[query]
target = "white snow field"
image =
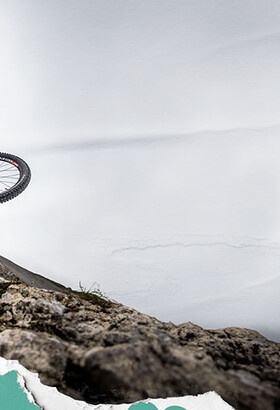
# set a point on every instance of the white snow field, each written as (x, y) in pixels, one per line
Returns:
(183, 229)
(152, 131)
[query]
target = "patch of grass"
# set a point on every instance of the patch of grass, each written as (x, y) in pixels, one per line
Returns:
(94, 295)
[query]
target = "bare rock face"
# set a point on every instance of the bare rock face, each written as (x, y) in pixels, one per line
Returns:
(103, 352)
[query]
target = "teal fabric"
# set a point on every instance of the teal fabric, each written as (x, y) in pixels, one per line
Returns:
(143, 406)
(12, 396)
(149, 406)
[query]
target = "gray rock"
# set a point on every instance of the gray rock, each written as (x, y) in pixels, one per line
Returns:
(103, 352)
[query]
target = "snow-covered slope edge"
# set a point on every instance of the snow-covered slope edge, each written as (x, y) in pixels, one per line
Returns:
(48, 398)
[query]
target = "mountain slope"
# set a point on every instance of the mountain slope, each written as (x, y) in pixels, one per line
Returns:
(103, 352)
(9, 271)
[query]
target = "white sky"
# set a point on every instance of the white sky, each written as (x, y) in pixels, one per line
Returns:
(84, 69)
(112, 103)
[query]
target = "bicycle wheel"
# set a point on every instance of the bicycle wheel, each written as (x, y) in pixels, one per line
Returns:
(14, 176)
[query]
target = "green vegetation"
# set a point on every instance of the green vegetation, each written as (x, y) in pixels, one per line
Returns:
(94, 296)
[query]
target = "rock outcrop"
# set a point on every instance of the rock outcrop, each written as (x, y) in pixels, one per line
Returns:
(103, 352)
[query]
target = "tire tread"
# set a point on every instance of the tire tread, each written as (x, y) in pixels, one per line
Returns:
(23, 182)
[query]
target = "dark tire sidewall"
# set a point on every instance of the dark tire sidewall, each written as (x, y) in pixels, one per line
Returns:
(24, 179)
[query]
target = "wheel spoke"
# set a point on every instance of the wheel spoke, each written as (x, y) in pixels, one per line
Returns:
(9, 176)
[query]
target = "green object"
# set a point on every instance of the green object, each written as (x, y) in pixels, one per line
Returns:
(143, 406)
(149, 406)
(12, 396)
(175, 408)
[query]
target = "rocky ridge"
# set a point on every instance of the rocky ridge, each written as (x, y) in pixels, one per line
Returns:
(103, 352)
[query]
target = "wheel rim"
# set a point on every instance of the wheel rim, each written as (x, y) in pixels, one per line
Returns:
(9, 175)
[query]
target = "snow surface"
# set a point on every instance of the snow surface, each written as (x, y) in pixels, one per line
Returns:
(152, 130)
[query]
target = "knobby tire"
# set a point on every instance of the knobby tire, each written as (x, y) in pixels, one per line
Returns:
(21, 183)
